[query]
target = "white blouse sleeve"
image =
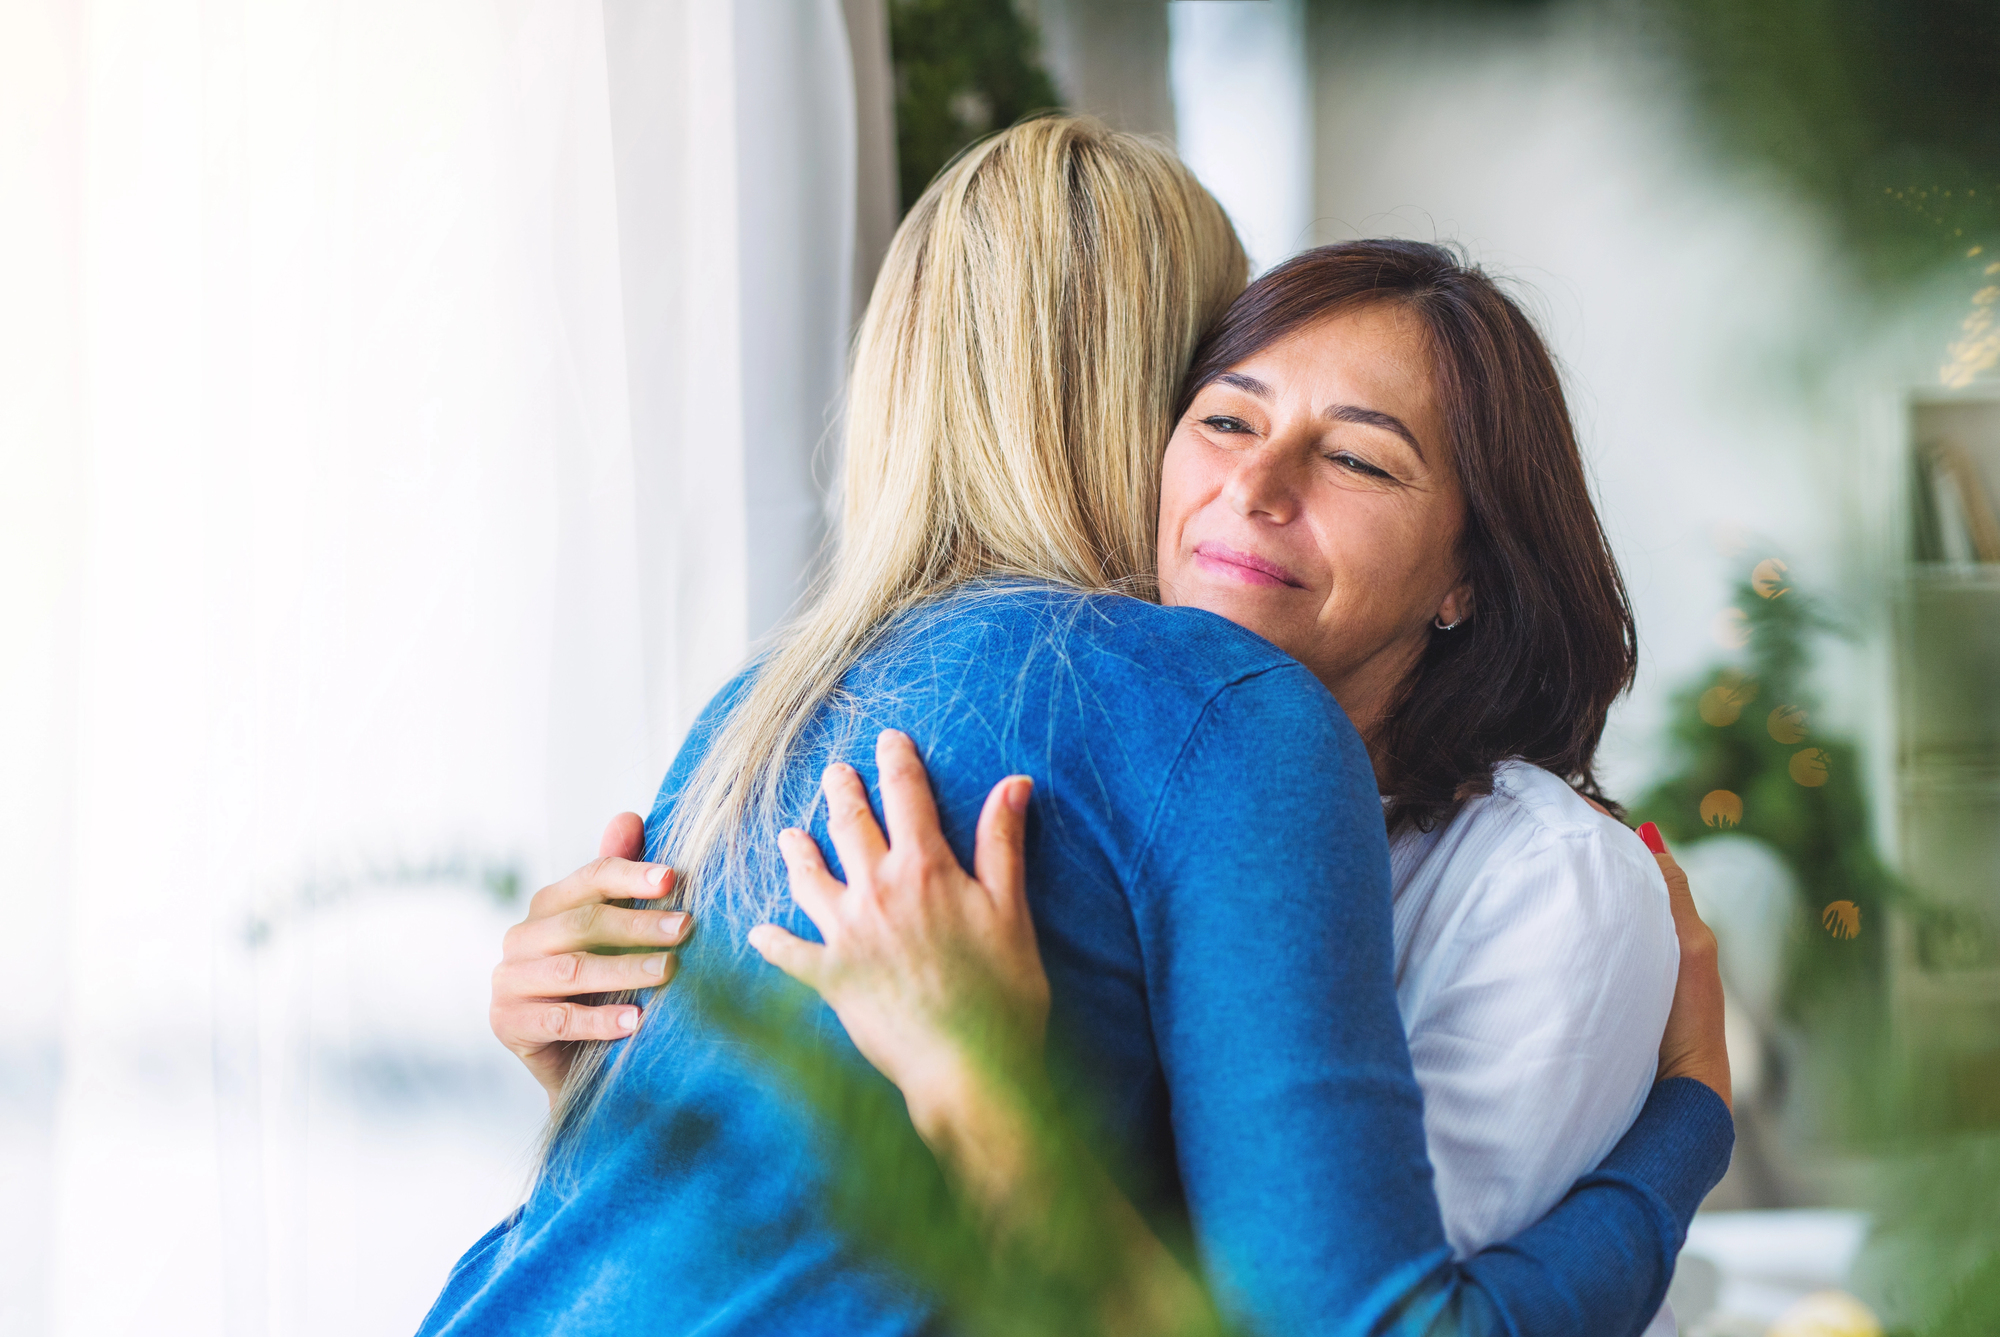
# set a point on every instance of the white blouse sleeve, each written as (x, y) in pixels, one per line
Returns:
(1535, 1024)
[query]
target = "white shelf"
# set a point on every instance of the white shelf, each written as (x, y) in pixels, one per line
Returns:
(1979, 576)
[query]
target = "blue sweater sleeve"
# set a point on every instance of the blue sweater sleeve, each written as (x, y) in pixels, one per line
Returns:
(1262, 902)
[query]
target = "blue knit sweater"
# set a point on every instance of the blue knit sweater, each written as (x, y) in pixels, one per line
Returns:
(1210, 882)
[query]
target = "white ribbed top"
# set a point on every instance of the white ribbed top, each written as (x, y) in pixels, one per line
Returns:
(1535, 963)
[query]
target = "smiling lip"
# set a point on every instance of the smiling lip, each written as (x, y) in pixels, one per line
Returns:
(1242, 566)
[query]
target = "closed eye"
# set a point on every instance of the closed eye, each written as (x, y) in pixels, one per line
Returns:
(1222, 422)
(1355, 464)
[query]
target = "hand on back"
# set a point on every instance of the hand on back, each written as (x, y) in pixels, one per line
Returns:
(934, 972)
(575, 942)
(1693, 1044)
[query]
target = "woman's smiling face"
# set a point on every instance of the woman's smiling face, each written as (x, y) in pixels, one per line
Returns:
(1308, 495)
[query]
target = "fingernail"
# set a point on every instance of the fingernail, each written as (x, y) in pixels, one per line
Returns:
(655, 875)
(1651, 835)
(892, 736)
(628, 1019)
(656, 965)
(672, 924)
(1018, 792)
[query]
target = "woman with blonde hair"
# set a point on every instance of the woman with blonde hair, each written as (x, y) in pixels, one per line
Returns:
(1216, 928)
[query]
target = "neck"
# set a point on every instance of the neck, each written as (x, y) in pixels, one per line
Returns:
(1369, 693)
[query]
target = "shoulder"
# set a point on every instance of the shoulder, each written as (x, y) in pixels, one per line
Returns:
(1126, 660)
(1542, 814)
(1177, 647)
(700, 737)
(1532, 856)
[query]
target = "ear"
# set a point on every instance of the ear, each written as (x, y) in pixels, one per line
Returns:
(1457, 605)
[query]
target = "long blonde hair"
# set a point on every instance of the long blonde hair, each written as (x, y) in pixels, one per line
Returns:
(1011, 392)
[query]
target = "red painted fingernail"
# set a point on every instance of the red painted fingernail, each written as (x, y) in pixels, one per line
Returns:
(1651, 835)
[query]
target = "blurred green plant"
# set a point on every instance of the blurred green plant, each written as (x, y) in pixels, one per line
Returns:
(1741, 729)
(1884, 115)
(498, 876)
(1070, 1274)
(964, 68)
(1936, 1237)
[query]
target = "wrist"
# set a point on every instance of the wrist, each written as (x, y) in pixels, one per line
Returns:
(944, 1098)
(960, 1105)
(1714, 1078)
(1700, 1065)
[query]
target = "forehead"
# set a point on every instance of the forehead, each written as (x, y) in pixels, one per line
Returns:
(1377, 356)
(1382, 344)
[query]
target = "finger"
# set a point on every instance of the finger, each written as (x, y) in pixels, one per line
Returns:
(571, 973)
(851, 823)
(590, 928)
(624, 837)
(608, 878)
(907, 804)
(1677, 881)
(814, 888)
(528, 1025)
(800, 959)
(997, 858)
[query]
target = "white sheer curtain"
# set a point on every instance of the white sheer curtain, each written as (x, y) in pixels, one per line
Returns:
(1243, 98)
(409, 415)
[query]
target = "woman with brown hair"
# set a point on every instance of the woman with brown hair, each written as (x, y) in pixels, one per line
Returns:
(1374, 469)
(1207, 864)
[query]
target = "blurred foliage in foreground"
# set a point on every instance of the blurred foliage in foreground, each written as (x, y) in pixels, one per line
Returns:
(1883, 114)
(1070, 1275)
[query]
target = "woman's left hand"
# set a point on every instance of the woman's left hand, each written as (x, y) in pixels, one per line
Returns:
(934, 973)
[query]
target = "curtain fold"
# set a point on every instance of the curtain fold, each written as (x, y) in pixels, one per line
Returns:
(410, 418)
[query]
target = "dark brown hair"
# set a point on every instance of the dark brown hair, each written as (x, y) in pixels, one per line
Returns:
(1549, 645)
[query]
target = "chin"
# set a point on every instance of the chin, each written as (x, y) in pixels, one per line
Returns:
(1247, 606)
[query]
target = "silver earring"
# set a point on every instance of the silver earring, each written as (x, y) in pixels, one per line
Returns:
(1442, 625)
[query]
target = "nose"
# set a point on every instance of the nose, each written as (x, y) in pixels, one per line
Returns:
(1261, 486)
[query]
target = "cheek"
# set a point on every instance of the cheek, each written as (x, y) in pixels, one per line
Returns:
(1364, 534)
(1182, 486)
(1380, 554)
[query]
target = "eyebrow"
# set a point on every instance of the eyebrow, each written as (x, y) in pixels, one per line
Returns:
(1349, 413)
(1361, 417)
(1248, 384)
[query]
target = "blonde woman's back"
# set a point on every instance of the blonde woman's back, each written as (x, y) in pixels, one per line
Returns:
(1012, 391)
(1168, 831)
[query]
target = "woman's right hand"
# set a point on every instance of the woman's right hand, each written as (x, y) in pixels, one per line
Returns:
(933, 971)
(562, 950)
(1693, 1045)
